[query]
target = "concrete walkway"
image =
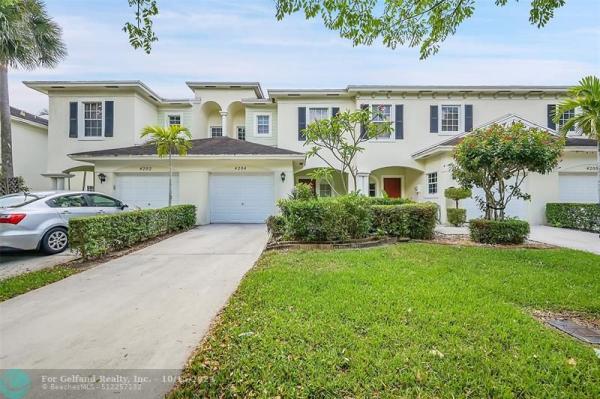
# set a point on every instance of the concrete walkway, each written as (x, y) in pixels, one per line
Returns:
(145, 310)
(567, 238)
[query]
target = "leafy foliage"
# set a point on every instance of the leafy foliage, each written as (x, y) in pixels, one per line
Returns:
(409, 220)
(585, 100)
(276, 226)
(336, 141)
(457, 193)
(99, 235)
(574, 216)
(456, 216)
(509, 231)
(302, 192)
(389, 201)
(498, 159)
(326, 219)
(141, 34)
(10, 185)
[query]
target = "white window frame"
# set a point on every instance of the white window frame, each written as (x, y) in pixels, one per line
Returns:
(81, 118)
(169, 114)
(210, 130)
(256, 134)
(559, 124)
(237, 133)
(461, 119)
(392, 120)
(308, 108)
(428, 183)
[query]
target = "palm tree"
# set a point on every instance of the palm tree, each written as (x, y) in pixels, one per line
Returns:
(167, 140)
(29, 39)
(584, 99)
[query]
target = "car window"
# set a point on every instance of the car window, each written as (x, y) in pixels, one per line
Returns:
(102, 200)
(68, 201)
(14, 200)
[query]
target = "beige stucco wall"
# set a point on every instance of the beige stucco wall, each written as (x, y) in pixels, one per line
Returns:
(30, 153)
(194, 176)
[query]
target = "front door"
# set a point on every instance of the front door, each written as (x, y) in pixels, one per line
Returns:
(393, 186)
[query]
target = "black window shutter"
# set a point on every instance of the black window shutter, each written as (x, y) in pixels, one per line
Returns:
(335, 111)
(551, 112)
(109, 116)
(301, 123)
(468, 117)
(433, 118)
(399, 122)
(363, 130)
(73, 119)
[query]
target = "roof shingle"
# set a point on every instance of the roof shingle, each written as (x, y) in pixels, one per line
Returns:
(19, 113)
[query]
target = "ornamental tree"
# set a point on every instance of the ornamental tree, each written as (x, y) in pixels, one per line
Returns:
(338, 140)
(498, 159)
(457, 193)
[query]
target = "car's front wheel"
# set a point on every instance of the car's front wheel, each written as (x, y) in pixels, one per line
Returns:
(55, 241)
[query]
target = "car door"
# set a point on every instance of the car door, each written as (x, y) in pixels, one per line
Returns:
(70, 206)
(103, 204)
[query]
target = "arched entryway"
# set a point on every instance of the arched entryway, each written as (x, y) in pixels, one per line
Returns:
(322, 186)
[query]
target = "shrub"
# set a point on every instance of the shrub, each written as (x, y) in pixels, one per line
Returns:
(302, 192)
(98, 235)
(389, 201)
(456, 216)
(574, 216)
(414, 220)
(276, 226)
(326, 219)
(457, 193)
(509, 231)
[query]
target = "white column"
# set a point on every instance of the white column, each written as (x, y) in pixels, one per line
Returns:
(362, 181)
(224, 122)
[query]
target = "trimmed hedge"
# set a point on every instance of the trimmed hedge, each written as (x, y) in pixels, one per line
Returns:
(509, 231)
(413, 220)
(276, 226)
(99, 235)
(326, 219)
(574, 216)
(389, 201)
(456, 216)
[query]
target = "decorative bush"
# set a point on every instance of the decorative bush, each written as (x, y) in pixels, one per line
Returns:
(302, 192)
(414, 220)
(574, 216)
(457, 193)
(509, 231)
(98, 235)
(276, 226)
(389, 201)
(456, 216)
(326, 219)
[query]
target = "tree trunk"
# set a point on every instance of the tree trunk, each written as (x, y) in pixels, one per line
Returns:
(170, 178)
(6, 134)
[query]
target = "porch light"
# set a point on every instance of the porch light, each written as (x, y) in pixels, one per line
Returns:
(282, 176)
(101, 177)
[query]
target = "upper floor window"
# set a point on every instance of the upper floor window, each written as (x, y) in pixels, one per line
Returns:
(263, 124)
(174, 119)
(216, 131)
(317, 114)
(565, 117)
(92, 119)
(382, 113)
(241, 132)
(450, 118)
(432, 183)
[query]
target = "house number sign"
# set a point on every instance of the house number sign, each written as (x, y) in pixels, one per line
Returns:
(145, 168)
(239, 168)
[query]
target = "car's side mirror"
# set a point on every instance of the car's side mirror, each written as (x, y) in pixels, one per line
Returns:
(123, 206)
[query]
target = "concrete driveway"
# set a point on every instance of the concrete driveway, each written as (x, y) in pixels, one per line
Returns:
(145, 310)
(18, 262)
(567, 238)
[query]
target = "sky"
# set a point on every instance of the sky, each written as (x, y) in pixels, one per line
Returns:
(241, 40)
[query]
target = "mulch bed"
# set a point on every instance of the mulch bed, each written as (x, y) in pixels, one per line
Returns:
(351, 244)
(583, 319)
(465, 240)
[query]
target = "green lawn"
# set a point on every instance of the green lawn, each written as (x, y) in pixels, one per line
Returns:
(410, 320)
(25, 282)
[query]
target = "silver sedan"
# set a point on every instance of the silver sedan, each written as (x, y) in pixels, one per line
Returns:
(39, 220)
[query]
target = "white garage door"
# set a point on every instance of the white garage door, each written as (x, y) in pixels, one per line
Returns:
(146, 190)
(240, 199)
(516, 207)
(578, 187)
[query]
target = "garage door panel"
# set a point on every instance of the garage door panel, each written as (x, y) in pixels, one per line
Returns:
(241, 198)
(578, 187)
(146, 191)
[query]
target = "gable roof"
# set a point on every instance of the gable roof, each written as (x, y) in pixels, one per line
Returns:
(448, 144)
(216, 146)
(28, 117)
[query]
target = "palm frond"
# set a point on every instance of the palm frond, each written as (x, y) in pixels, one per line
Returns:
(584, 99)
